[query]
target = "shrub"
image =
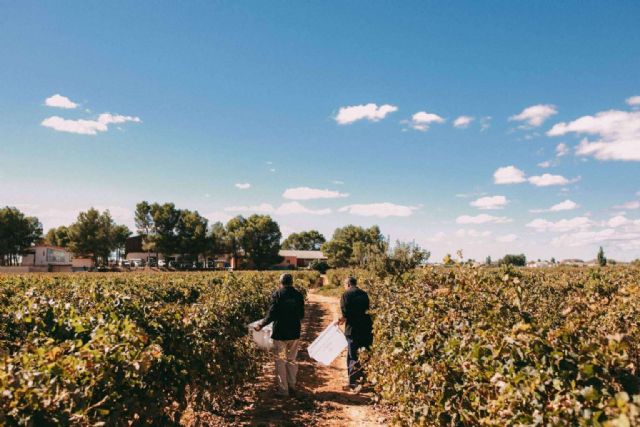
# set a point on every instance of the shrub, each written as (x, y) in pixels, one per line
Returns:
(500, 347)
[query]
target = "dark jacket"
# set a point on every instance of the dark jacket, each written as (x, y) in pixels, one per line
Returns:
(354, 305)
(286, 312)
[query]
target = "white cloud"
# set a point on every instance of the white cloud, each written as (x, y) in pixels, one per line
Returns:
(60, 101)
(243, 185)
(508, 175)
(371, 112)
(337, 182)
(306, 193)
(87, 127)
(438, 237)
(626, 241)
(618, 133)
(421, 120)
(633, 101)
(618, 221)
(546, 164)
(634, 204)
(482, 219)
(463, 122)
(567, 205)
(261, 208)
(548, 179)
(289, 208)
(485, 123)
(577, 223)
(535, 115)
(218, 216)
(472, 233)
(562, 149)
(490, 202)
(381, 210)
(507, 238)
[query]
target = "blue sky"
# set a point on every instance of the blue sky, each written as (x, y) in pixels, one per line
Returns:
(186, 100)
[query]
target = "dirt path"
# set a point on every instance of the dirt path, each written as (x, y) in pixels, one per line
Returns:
(323, 403)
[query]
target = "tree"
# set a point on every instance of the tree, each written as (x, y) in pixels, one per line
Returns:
(602, 260)
(92, 235)
(17, 233)
(218, 240)
(261, 241)
(305, 241)
(488, 260)
(353, 246)
(257, 238)
(165, 222)
(144, 224)
(236, 228)
(119, 237)
(405, 257)
(517, 260)
(192, 234)
(58, 236)
(448, 260)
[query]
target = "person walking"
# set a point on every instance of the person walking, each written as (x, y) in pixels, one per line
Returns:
(286, 313)
(358, 329)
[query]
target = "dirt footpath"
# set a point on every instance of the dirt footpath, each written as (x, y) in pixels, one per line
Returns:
(323, 403)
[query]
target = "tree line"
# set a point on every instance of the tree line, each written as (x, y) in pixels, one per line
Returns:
(166, 230)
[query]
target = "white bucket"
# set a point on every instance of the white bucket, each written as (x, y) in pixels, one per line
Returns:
(262, 338)
(329, 344)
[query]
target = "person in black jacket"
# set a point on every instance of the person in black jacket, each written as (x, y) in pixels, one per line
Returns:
(358, 330)
(286, 312)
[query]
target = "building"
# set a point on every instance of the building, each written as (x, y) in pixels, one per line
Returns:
(299, 259)
(573, 262)
(44, 258)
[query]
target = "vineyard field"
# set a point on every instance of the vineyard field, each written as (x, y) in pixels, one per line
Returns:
(456, 346)
(477, 346)
(112, 349)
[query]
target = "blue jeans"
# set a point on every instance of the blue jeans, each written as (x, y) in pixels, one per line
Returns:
(356, 373)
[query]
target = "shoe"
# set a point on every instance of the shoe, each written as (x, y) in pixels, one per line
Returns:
(348, 387)
(282, 393)
(293, 392)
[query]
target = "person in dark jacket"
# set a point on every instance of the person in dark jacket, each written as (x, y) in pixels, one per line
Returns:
(286, 312)
(358, 330)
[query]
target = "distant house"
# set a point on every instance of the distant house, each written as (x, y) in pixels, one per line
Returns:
(43, 258)
(299, 259)
(539, 264)
(573, 261)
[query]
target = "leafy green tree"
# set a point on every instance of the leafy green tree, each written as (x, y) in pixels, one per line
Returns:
(218, 240)
(92, 235)
(261, 241)
(17, 233)
(304, 241)
(353, 246)
(58, 236)
(405, 257)
(235, 231)
(517, 260)
(488, 260)
(256, 239)
(448, 260)
(165, 239)
(120, 234)
(144, 225)
(602, 260)
(192, 234)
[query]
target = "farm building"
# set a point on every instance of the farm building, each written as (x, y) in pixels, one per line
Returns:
(300, 259)
(41, 258)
